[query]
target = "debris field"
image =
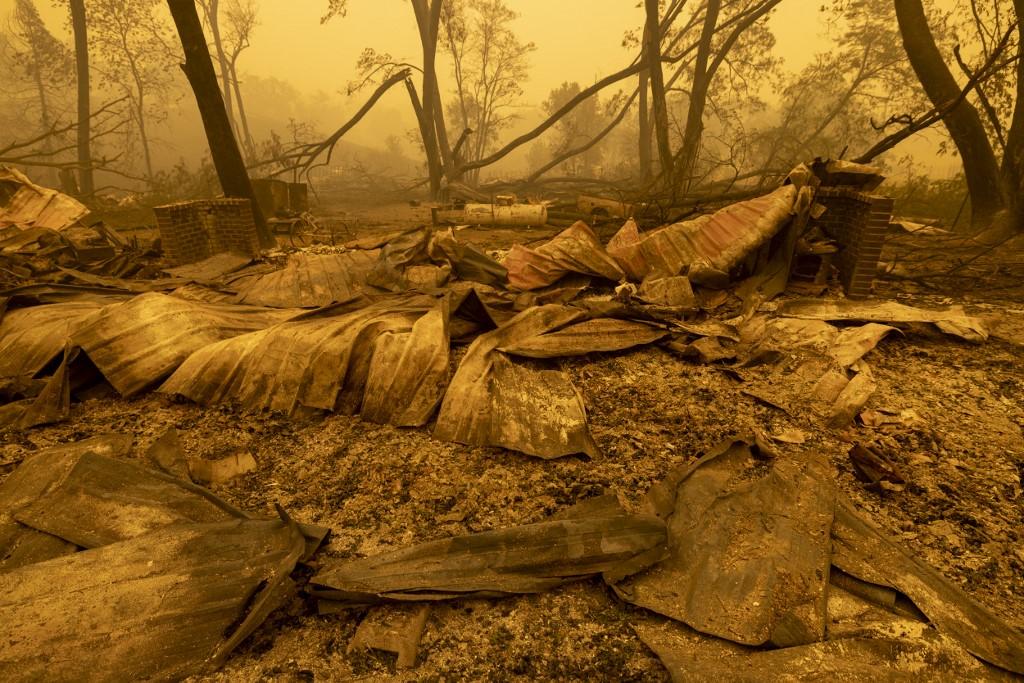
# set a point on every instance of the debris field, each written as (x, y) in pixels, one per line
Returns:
(673, 453)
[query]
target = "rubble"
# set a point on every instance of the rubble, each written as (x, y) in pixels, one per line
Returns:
(745, 561)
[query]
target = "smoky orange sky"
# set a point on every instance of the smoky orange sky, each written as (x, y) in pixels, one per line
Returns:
(576, 40)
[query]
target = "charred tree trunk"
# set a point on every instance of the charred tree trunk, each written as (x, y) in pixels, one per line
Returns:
(222, 59)
(644, 143)
(1012, 169)
(694, 130)
(428, 18)
(227, 158)
(250, 145)
(963, 122)
(78, 25)
(652, 53)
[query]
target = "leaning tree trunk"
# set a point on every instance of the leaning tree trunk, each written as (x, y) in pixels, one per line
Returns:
(1013, 157)
(963, 122)
(227, 158)
(428, 17)
(652, 53)
(644, 125)
(78, 25)
(694, 130)
(222, 59)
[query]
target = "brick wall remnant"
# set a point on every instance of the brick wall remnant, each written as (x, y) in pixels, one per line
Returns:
(195, 230)
(858, 222)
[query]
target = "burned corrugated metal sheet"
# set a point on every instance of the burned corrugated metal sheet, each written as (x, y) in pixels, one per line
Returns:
(537, 411)
(30, 338)
(523, 559)
(742, 566)
(472, 412)
(33, 206)
(162, 606)
(624, 248)
(574, 250)
(863, 551)
(951, 320)
(137, 343)
(43, 293)
(589, 336)
(212, 268)
(307, 280)
(467, 260)
(409, 372)
(917, 654)
(707, 248)
(19, 544)
(98, 501)
(315, 362)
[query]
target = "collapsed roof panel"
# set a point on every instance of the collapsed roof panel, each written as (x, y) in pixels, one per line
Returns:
(307, 280)
(29, 205)
(141, 341)
(706, 248)
(319, 360)
(163, 605)
(30, 338)
(742, 565)
(574, 250)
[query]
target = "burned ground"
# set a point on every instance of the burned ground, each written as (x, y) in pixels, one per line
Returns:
(378, 487)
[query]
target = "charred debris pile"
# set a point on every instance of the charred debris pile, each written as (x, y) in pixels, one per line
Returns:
(130, 568)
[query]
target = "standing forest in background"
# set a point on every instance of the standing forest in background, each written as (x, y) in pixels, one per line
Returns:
(704, 108)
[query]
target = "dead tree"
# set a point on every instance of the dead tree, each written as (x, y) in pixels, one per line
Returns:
(963, 122)
(85, 181)
(652, 58)
(227, 158)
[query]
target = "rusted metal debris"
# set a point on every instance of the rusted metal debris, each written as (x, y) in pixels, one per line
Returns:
(394, 628)
(582, 543)
(574, 250)
(164, 605)
(707, 248)
(771, 568)
(23, 204)
(185, 575)
(326, 361)
(743, 567)
(725, 575)
(951, 320)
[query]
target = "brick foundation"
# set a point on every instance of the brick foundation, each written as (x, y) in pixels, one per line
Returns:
(196, 230)
(858, 222)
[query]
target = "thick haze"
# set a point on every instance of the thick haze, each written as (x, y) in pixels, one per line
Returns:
(298, 68)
